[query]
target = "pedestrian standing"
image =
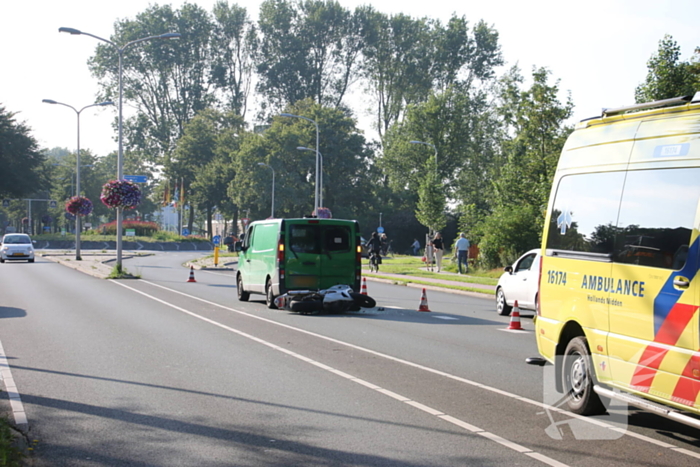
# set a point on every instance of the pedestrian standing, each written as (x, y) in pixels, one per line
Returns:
(438, 248)
(416, 246)
(462, 247)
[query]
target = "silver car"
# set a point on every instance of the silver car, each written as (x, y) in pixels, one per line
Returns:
(16, 246)
(519, 282)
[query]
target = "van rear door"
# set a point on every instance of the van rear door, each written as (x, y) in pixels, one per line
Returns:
(303, 257)
(338, 255)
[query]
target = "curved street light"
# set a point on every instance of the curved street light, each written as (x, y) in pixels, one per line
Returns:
(120, 51)
(77, 164)
(319, 175)
(318, 169)
(272, 210)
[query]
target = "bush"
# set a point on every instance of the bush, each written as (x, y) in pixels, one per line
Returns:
(508, 233)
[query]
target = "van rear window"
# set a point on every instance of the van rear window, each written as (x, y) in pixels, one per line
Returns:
(642, 217)
(310, 238)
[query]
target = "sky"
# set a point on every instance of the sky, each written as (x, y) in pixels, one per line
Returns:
(597, 49)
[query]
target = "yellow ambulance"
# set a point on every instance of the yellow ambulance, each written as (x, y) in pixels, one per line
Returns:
(619, 287)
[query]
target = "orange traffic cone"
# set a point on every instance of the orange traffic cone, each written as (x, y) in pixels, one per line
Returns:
(191, 279)
(363, 290)
(515, 318)
(423, 302)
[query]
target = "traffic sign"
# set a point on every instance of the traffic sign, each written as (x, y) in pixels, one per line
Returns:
(136, 178)
(216, 239)
(380, 229)
(5, 203)
(53, 204)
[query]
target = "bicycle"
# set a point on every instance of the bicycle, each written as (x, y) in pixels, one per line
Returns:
(374, 261)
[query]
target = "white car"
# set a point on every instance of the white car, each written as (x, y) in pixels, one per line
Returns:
(519, 282)
(16, 246)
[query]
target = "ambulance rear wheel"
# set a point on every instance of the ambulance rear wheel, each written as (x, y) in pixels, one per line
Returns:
(578, 380)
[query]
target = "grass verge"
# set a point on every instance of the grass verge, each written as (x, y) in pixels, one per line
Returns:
(10, 454)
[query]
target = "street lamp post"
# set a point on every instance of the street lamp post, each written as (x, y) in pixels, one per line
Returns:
(319, 174)
(120, 154)
(272, 210)
(317, 194)
(77, 164)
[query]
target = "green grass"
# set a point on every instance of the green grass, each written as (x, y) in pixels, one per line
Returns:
(10, 454)
(413, 266)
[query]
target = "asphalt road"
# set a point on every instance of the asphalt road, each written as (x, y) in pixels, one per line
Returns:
(164, 372)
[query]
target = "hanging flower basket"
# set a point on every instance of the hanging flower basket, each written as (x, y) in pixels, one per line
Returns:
(120, 193)
(79, 206)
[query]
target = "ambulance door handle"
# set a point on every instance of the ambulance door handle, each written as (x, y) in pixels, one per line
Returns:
(681, 282)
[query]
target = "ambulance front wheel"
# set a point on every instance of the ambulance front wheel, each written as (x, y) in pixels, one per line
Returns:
(577, 379)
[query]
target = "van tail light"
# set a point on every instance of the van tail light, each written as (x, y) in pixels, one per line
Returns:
(358, 259)
(539, 282)
(280, 257)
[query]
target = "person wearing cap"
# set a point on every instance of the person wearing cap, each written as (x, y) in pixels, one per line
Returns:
(462, 247)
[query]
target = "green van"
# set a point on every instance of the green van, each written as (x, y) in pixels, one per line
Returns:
(282, 255)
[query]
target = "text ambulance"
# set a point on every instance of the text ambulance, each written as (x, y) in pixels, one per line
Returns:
(619, 286)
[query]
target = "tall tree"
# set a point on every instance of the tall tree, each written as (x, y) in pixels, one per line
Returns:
(537, 119)
(20, 158)
(667, 75)
(345, 161)
(309, 49)
(397, 63)
(430, 210)
(196, 149)
(234, 45)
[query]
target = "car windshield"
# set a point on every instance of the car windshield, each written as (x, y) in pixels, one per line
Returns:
(16, 239)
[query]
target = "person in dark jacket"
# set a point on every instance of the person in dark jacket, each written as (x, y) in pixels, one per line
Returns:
(438, 246)
(374, 244)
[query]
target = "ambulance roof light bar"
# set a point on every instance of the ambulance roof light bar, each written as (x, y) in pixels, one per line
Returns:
(652, 105)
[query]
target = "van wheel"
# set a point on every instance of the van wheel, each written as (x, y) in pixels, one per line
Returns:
(577, 379)
(269, 297)
(502, 308)
(365, 301)
(243, 296)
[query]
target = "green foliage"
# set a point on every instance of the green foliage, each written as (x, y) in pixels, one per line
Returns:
(507, 233)
(20, 159)
(10, 454)
(430, 210)
(667, 75)
(345, 161)
(309, 50)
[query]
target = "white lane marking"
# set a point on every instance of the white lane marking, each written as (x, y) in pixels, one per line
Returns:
(445, 317)
(18, 412)
(538, 404)
(516, 331)
(426, 409)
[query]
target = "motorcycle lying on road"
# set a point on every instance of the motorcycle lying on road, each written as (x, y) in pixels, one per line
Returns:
(337, 299)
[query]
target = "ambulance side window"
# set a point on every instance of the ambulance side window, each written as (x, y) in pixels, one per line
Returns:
(656, 217)
(585, 211)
